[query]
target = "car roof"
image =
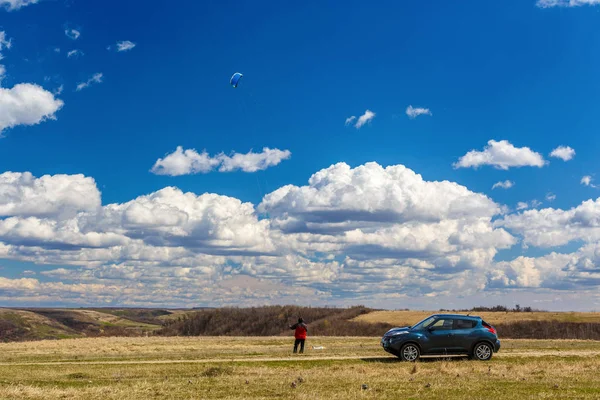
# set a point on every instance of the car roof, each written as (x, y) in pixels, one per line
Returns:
(462, 316)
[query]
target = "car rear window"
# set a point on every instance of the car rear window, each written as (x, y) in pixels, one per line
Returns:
(464, 324)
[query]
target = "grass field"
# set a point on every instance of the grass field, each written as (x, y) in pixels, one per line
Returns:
(42, 323)
(263, 368)
(403, 318)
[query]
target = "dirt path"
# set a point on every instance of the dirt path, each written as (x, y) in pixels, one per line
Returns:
(382, 358)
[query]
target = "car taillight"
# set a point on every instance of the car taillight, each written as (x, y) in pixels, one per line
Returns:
(490, 328)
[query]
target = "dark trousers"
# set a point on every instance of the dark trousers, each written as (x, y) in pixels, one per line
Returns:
(301, 343)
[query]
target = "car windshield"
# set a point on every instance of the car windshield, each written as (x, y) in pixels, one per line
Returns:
(424, 324)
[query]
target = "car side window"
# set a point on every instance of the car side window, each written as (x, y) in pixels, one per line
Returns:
(464, 324)
(442, 324)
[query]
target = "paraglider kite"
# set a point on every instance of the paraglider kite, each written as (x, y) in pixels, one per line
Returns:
(235, 79)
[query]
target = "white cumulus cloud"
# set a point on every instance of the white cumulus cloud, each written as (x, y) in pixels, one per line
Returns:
(503, 185)
(501, 155)
(24, 195)
(349, 120)
(413, 112)
(252, 162)
(565, 153)
(185, 162)
(365, 233)
(26, 104)
(551, 227)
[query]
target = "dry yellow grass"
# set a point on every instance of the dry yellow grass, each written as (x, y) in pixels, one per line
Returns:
(403, 318)
(560, 370)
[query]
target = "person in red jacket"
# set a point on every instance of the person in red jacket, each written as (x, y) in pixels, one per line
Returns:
(300, 334)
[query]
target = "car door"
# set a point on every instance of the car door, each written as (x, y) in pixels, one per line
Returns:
(438, 335)
(462, 334)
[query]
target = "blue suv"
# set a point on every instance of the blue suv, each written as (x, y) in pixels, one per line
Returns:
(443, 334)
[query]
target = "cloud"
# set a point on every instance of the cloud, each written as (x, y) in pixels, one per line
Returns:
(26, 104)
(587, 181)
(359, 232)
(364, 119)
(373, 193)
(12, 5)
(72, 34)
(96, 78)
(389, 218)
(502, 155)
(550, 196)
(252, 162)
(530, 272)
(551, 227)
(503, 185)
(523, 205)
(566, 3)
(367, 233)
(74, 53)
(59, 90)
(5, 43)
(125, 45)
(23, 195)
(57, 49)
(186, 162)
(349, 120)
(565, 153)
(415, 112)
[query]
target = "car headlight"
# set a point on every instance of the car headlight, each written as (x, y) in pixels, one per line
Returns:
(399, 333)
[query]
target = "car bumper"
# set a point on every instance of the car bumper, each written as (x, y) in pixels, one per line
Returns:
(497, 346)
(385, 343)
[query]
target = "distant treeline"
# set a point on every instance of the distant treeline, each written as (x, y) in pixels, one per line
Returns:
(272, 321)
(549, 330)
(516, 308)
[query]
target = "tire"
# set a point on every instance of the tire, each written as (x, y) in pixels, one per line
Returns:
(482, 351)
(410, 352)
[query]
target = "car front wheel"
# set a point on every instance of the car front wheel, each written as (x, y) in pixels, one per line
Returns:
(409, 352)
(482, 352)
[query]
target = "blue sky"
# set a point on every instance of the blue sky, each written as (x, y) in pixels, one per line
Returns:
(515, 71)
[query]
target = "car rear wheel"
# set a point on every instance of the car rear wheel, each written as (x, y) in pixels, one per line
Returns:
(410, 352)
(482, 352)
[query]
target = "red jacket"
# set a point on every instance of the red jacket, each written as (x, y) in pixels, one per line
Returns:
(300, 330)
